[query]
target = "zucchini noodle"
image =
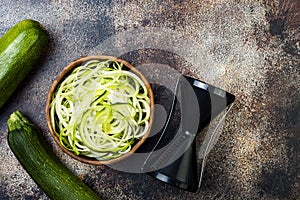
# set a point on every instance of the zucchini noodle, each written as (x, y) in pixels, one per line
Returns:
(100, 110)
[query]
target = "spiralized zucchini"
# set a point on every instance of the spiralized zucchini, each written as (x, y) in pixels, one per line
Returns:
(99, 110)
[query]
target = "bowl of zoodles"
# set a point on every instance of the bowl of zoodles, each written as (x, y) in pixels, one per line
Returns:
(100, 109)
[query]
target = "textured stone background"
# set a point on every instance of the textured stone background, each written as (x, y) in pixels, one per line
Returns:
(250, 48)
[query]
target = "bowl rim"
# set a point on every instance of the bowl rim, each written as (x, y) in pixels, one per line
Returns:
(65, 72)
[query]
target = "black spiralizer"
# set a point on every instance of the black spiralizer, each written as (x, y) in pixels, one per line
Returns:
(174, 157)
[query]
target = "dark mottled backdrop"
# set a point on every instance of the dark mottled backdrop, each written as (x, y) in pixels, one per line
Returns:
(250, 48)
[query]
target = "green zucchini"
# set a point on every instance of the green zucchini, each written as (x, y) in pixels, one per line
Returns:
(35, 155)
(20, 48)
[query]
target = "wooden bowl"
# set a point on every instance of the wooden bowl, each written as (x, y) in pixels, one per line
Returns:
(65, 73)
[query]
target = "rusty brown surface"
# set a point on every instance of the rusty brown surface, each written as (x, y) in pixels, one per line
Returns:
(249, 48)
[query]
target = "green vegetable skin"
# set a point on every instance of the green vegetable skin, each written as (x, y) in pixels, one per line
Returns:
(50, 174)
(20, 48)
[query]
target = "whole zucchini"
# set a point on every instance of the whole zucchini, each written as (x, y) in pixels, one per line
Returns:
(37, 158)
(20, 48)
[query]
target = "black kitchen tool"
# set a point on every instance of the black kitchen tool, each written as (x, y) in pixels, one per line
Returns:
(173, 159)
